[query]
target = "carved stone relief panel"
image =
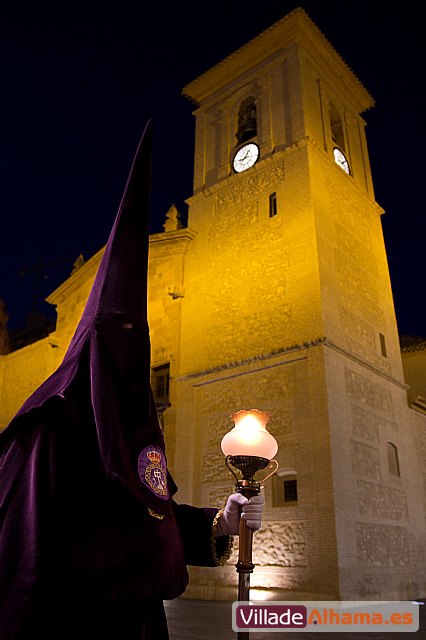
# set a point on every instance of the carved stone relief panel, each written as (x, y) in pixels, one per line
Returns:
(383, 545)
(248, 187)
(368, 393)
(367, 425)
(236, 204)
(381, 502)
(370, 586)
(364, 424)
(215, 426)
(213, 466)
(282, 544)
(421, 439)
(365, 460)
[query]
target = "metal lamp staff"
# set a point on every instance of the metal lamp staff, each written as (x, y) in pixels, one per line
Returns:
(248, 447)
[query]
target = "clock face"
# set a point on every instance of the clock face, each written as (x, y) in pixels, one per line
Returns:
(245, 157)
(340, 159)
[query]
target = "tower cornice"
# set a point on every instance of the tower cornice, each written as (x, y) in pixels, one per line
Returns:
(295, 28)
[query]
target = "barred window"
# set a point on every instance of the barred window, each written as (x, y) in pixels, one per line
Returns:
(284, 488)
(290, 490)
(160, 377)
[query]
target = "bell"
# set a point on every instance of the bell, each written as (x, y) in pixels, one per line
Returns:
(247, 130)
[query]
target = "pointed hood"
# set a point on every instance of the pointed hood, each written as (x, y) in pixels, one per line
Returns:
(104, 378)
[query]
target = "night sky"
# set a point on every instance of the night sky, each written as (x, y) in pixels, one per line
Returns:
(79, 82)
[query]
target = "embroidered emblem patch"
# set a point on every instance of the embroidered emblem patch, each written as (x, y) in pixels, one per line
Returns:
(152, 471)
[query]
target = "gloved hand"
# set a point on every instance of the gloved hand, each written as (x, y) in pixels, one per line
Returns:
(237, 506)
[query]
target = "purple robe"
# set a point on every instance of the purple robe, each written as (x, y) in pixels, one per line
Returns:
(80, 557)
(83, 471)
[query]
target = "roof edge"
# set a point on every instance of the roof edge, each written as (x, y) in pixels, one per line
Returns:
(227, 69)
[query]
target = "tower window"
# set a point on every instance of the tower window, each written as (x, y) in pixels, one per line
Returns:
(336, 126)
(393, 462)
(160, 377)
(273, 210)
(290, 490)
(338, 137)
(383, 345)
(284, 486)
(247, 120)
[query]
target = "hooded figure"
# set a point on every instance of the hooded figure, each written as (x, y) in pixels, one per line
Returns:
(91, 540)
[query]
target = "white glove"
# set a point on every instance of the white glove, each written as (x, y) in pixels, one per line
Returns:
(237, 506)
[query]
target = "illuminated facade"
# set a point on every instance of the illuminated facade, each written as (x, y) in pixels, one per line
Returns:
(277, 296)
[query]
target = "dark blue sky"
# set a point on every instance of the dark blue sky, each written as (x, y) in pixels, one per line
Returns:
(78, 84)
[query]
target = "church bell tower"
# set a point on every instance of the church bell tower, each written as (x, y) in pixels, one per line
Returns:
(288, 308)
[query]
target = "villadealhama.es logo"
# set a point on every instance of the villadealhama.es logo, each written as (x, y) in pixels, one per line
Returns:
(331, 616)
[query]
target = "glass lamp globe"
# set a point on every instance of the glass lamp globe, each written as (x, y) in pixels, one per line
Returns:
(249, 436)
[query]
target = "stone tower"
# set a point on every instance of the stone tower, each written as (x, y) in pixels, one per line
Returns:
(288, 308)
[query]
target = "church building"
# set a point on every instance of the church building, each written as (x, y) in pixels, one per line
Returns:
(277, 296)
